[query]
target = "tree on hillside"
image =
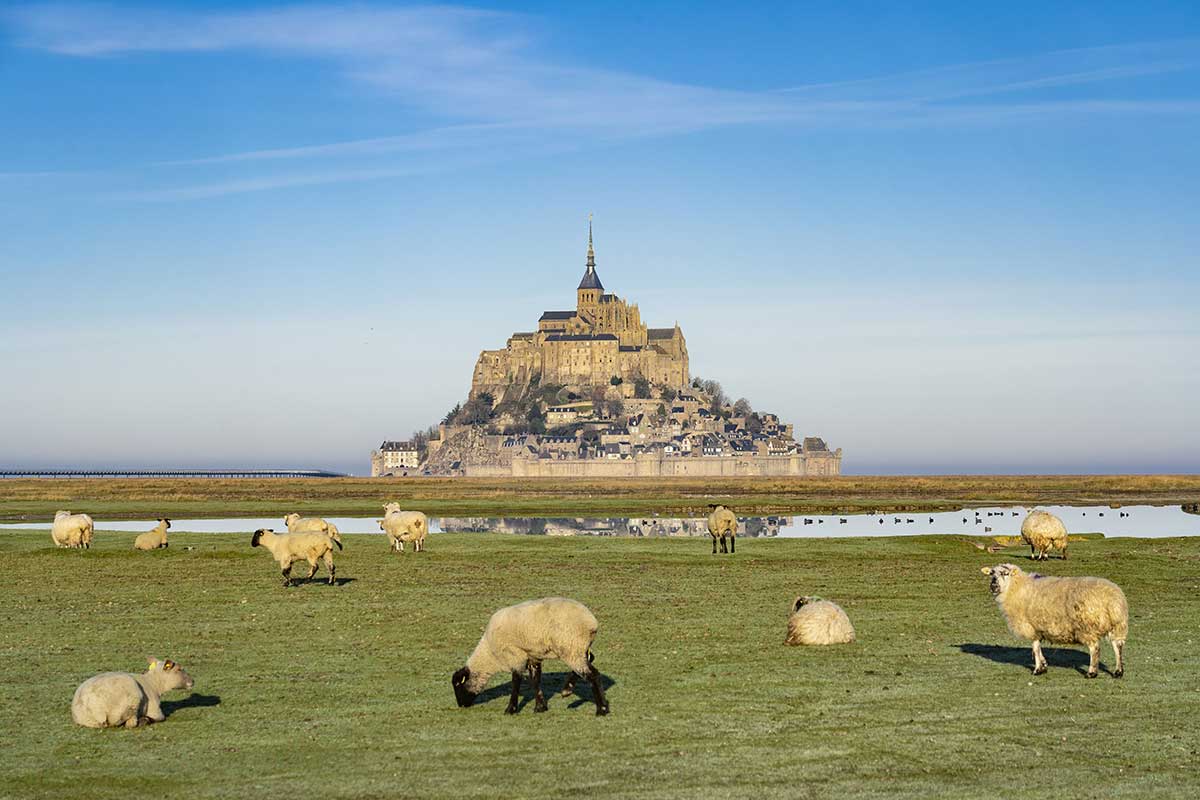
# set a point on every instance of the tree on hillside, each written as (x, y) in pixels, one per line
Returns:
(452, 415)
(660, 414)
(668, 394)
(716, 393)
(742, 408)
(536, 419)
(616, 380)
(754, 423)
(641, 388)
(615, 408)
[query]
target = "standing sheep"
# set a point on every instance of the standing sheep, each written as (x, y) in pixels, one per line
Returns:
(154, 538)
(814, 621)
(404, 526)
(72, 530)
(112, 699)
(722, 523)
(1043, 531)
(520, 637)
(291, 547)
(297, 524)
(1062, 611)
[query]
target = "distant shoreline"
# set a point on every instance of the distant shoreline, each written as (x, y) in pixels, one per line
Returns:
(129, 498)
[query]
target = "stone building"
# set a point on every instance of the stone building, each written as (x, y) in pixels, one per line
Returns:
(394, 458)
(603, 338)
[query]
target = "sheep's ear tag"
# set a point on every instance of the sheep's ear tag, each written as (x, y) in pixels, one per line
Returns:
(986, 570)
(153, 665)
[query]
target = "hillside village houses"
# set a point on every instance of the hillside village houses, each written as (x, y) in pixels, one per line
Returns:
(594, 392)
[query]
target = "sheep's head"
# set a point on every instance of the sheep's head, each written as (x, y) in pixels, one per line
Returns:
(58, 514)
(390, 507)
(169, 674)
(290, 518)
(460, 680)
(1002, 575)
(381, 525)
(801, 602)
(166, 522)
(254, 540)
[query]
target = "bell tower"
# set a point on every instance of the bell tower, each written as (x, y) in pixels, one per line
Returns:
(590, 288)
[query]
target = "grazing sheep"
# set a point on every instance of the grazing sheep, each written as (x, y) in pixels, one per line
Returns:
(297, 524)
(722, 523)
(1062, 611)
(112, 699)
(404, 526)
(520, 637)
(72, 530)
(1043, 531)
(291, 547)
(154, 538)
(817, 622)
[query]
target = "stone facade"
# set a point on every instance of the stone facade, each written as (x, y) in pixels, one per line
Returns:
(393, 458)
(602, 339)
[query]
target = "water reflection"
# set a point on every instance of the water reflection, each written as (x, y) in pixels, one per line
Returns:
(603, 526)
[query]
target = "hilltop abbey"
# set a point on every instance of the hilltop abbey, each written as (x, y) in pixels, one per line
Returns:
(602, 339)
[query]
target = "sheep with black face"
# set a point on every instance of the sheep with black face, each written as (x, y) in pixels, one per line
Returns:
(518, 638)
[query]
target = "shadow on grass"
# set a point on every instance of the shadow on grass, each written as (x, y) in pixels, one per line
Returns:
(296, 582)
(169, 707)
(1023, 656)
(552, 684)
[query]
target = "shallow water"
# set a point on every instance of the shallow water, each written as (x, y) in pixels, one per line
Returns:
(1135, 521)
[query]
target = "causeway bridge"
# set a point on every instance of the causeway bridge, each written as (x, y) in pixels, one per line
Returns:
(170, 473)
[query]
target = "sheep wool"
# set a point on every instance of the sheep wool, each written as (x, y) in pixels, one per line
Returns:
(1063, 611)
(297, 524)
(72, 530)
(1043, 531)
(722, 523)
(814, 621)
(115, 699)
(520, 638)
(154, 538)
(287, 548)
(404, 526)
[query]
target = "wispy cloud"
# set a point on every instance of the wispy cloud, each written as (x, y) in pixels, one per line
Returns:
(481, 71)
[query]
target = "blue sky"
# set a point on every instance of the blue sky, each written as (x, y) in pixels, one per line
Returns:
(944, 236)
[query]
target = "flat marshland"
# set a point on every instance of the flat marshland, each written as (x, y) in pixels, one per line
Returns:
(343, 691)
(181, 498)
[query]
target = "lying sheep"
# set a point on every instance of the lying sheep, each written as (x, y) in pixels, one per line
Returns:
(154, 538)
(291, 547)
(297, 524)
(112, 699)
(72, 530)
(404, 526)
(722, 523)
(1062, 611)
(815, 621)
(520, 637)
(1043, 531)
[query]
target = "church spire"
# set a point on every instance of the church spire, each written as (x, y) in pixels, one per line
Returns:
(591, 259)
(591, 281)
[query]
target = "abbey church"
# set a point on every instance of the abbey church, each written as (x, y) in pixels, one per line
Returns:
(602, 339)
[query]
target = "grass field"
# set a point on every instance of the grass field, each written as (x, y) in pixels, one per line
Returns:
(343, 691)
(180, 498)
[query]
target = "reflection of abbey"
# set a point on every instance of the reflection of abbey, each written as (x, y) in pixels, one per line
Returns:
(604, 337)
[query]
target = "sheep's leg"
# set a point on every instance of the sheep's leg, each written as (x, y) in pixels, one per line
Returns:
(286, 570)
(714, 545)
(1093, 659)
(516, 694)
(732, 544)
(539, 700)
(1118, 646)
(597, 691)
(312, 568)
(329, 565)
(724, 546)
(1039, 660)
(1064, 552)
(569, 687)
(1033, 554)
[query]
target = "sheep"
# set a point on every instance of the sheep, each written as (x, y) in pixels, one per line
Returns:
(297, 524)
(154, 538)
(722, 523)
(114, 699)
(404, 526)
(1043, 531)
(1063, 611)
(72, 530)
(815, 621)
(520, 637)
(291, 547)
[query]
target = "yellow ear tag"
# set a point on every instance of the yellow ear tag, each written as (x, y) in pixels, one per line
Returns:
(153, 665)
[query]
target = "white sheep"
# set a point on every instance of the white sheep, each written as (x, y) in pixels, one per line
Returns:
(72, 530)
(722, 523)
(814, 621)
(520, 637)
(113, 699)
(297, 524)
(153, 538)
(404, 526)
(288, 548)
(1062, 611)
(1043, 531)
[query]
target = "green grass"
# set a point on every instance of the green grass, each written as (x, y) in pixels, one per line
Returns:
(343, 691)
(110, 498)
